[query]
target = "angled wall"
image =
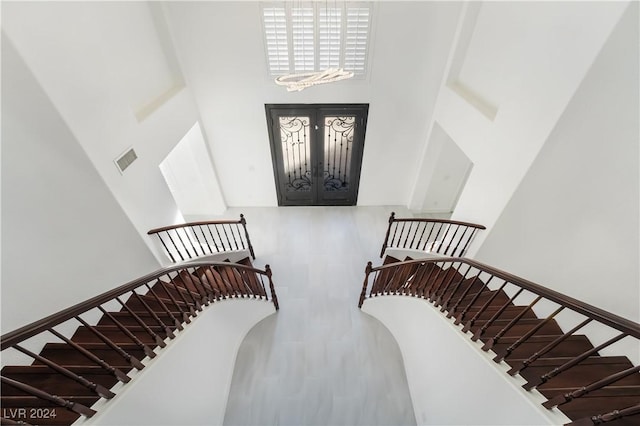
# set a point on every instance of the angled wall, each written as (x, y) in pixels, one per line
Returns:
(573, 222)
(65, 238)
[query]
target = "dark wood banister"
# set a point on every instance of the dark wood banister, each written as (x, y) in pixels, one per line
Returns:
(11, 338)
(622, 324)
(191, 225)
(393, 219)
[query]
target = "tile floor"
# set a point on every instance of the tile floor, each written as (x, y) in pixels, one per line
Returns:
(319, 360)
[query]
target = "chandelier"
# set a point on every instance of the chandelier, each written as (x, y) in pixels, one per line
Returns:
(300, 81)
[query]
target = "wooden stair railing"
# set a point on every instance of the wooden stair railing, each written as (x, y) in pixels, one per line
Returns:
(446, 237)
(97, 342)
(191, 240)
(497, 308)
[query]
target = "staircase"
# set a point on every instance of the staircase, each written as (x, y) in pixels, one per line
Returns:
(582, 379)
(134, 321)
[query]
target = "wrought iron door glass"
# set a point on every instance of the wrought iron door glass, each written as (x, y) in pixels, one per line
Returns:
(296, 153)
(338, 141)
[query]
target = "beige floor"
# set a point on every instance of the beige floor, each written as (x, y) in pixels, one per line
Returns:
(320, 360)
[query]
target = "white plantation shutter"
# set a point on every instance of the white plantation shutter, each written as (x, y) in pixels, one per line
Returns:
(276, 39)
(357, 39)
(329, 37)
(314, 36)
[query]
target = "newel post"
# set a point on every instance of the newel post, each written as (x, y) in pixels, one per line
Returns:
(243, 221)
(386, 237)
(367, 272)
(274, 298)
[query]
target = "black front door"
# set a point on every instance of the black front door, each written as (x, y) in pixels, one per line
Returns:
(317, 152)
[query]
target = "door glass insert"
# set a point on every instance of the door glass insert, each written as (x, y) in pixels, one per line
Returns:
(338, 147)
(296, 152)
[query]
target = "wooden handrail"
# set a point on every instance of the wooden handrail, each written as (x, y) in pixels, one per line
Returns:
(431, 233)
(502, 321)
(13, 337)
(622, 324)
(203, 238)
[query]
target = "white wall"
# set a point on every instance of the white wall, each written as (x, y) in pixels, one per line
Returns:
(189, 379)
(450, 169)
(524, 61)
(221, 48)
(190, 177)
(64, 236)
(449, 375)
(106, 69)
(573, 223)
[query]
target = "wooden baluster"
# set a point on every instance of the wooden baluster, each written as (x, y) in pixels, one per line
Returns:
(414, 235)
(159, 341)
(87, 354)
(418, 279)
(239, 236)
(177, 324)
(437, 281)
(428, 282)
(492, 341)
(274, 298)
(456, 283)
(570, 396)
(224, 230)
(155, 316)
(205, 239)
(551, 374)
(445, 303)
(547, 348)
(264, 289)
(166, 248)
(363, 293)
(453, 253)
(432, 227)
(220, 236)
(195, 234)
(174, 245)
(233, 235)
(444, 238)
(130, 358)
(147, 350)
(453, 237)
(495, 316)
(182, 242)
(203, 279)
(213, 239)
(395, 230)
(406, 239)
(440, 293)
(506, 352)
(185, 316)
(484, 307)
(93, 387)
(184, 290)
(186, 276)
(464, 249)
(464, 294)
(424, 228)
(73, 406)
(608, 417)
(436, 237)
(246, 234)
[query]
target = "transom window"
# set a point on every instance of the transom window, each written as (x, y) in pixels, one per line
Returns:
(315, 36)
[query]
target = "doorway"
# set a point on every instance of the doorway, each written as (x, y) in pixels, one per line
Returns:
(317, 152)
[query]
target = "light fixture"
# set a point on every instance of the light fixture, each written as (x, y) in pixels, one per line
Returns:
(300, 81)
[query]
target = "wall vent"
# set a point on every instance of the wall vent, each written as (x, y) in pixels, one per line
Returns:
(126, 159)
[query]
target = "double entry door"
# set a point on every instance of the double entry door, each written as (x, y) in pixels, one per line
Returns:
(317, 152)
